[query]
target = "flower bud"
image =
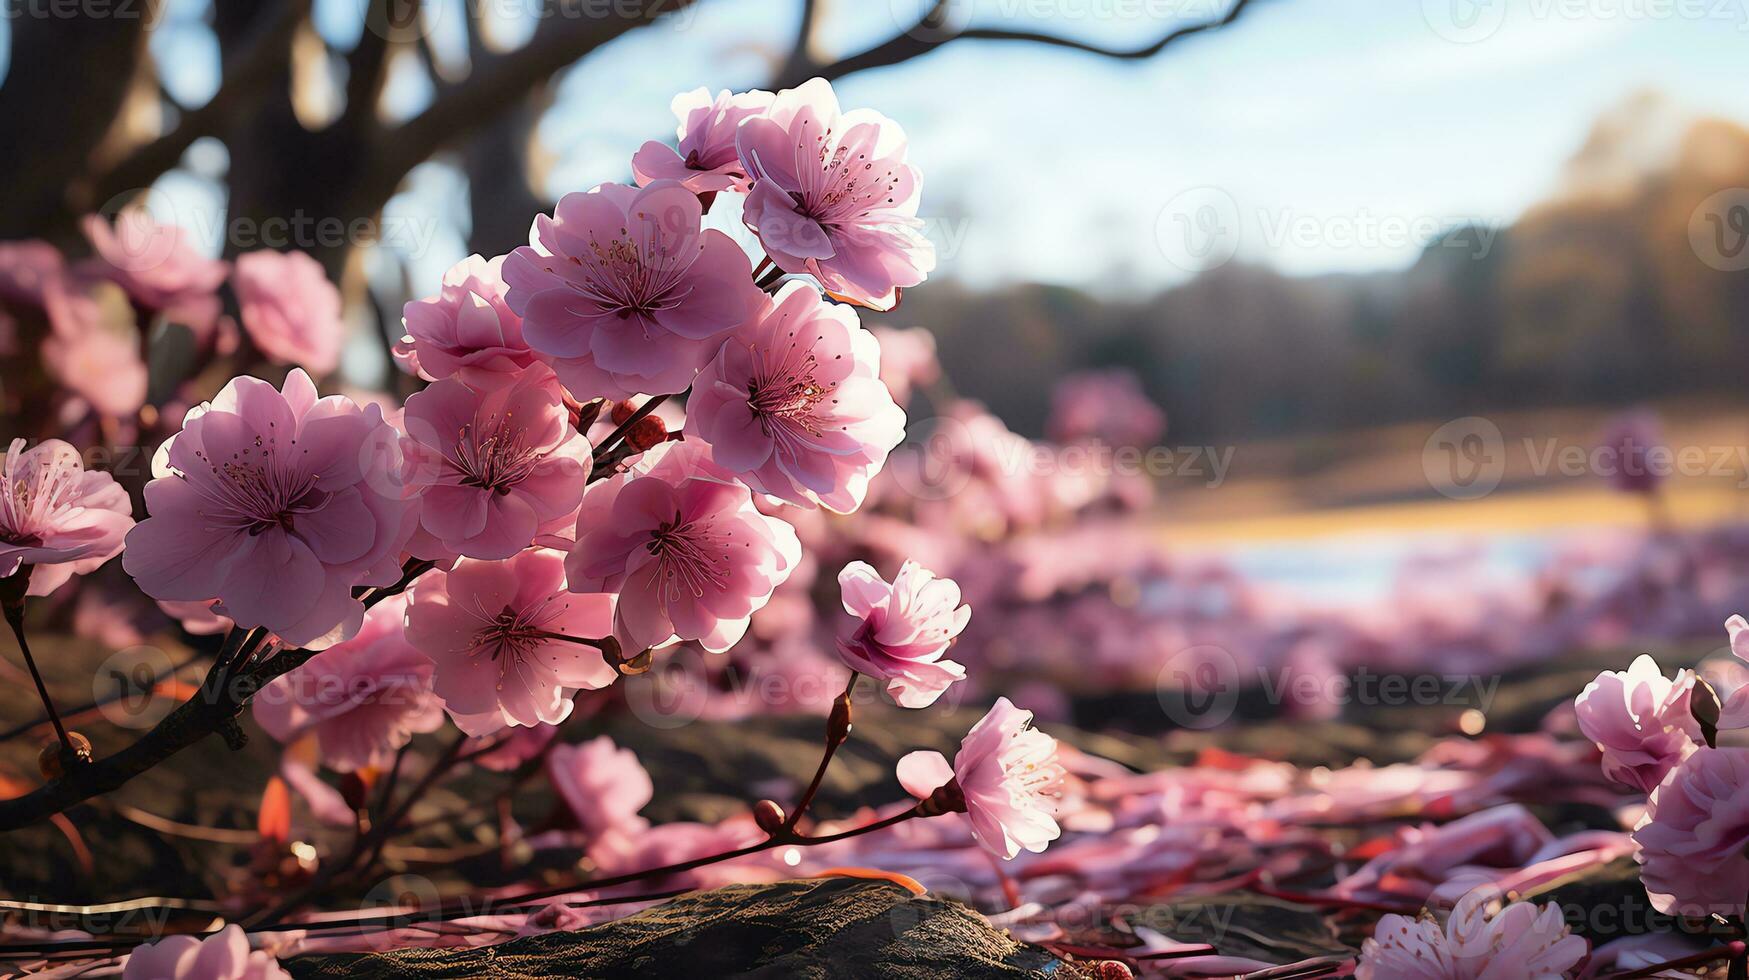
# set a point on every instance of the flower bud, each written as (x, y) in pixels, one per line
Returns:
(768, 815)
(53, 760)
(648, 432)
(355, 788)
(622, 411)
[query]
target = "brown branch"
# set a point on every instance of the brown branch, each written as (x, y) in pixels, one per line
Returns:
(266, 56)
(212, 710)
(932, 31)
(367, 69)
(799, 59)
(568, 31)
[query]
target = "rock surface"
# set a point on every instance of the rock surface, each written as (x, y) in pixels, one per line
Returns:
(814, 929)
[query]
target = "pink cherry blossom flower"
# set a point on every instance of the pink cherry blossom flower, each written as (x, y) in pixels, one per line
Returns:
(489, 627)
(897, 633)
(1007, 774)
(1641, 720)
(603, 784)
(908, 360)
(157, 266)
(224, 955)
(290, 309)
(1522, 942)
(688, 555)
(1734, 712)
(278, 504)
(794, 405)
(93, 348)
(495, 460)
(833, 196)
(625, 293)
(56, 516)
(467, 327)
(1693, 837)
(362, 699)
(706, 161)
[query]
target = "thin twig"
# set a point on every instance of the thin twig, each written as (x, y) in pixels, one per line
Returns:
(837, 731)
(602, 451)
(366, 847)
(213, 709)
(1701, 958)
(467, 907)
(14, 606)
(74, 713)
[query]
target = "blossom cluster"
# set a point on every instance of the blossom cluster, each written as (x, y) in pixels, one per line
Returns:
(633, 440)
(552, 515)
(1660, 736)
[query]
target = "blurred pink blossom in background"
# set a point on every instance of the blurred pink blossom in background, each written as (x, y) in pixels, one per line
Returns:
(93, 347)
(1107, 405)
(603, 785)
(158, 267)
(290, 310)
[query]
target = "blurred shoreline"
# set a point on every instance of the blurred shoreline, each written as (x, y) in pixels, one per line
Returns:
(1383, 480)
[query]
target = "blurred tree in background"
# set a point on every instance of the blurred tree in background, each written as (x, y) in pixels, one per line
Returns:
(91, 125)
(1593, 297)
(1596, 296)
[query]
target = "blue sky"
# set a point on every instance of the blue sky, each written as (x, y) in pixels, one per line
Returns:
(1328, 135)
(1329, 114)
